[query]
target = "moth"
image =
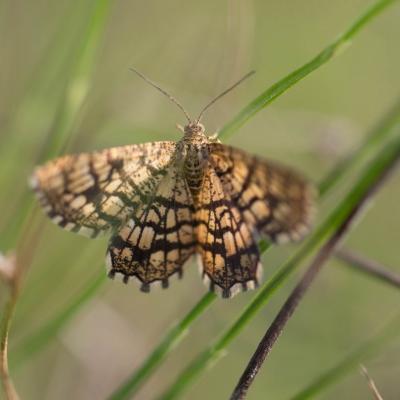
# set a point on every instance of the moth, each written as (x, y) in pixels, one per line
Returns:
(163, 202)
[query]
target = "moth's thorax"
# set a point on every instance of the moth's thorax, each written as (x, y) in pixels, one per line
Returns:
(194, 133)
(195, 149)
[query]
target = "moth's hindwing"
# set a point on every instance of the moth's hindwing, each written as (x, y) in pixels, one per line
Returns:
(274, 200)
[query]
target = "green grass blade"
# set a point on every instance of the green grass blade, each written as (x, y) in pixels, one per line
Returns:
(44, 78)
(350, 363)
(328, 226)
(132, 384)
(284, 84)
(373, 140)
(173, 337)
(167, 344)
(69, 110)
(79, 83)
(38, 340)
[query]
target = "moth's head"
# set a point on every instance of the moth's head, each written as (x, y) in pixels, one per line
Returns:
(193, 128)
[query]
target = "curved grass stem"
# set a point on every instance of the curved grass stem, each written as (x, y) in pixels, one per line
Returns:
(10, 273)
(5, 324)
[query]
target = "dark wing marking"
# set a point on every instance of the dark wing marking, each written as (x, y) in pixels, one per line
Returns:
(228, 253)
(91, 193)
(156, 242)
(274, 200)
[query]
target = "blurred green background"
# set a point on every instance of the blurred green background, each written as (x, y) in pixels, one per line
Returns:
(56, 101)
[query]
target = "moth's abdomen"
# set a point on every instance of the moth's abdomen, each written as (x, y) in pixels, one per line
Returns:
(193, 175)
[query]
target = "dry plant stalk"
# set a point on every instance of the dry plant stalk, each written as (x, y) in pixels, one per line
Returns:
(326, 251)
(371, 384)
(10, 273)
(362, 263)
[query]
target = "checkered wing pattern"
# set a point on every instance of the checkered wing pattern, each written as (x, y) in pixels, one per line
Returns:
(274, 201)
(95, 192)
(227, 248)
(159, 238)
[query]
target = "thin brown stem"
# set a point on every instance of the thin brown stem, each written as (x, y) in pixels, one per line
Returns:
(14, 279)
(277, 326)
(9, 309)
(371, 384)
(368, 266)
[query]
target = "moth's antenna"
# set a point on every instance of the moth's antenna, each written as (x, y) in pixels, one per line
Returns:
(173, 99)
(224, 93)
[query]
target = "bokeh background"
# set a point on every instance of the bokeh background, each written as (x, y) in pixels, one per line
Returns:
(195, 50)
